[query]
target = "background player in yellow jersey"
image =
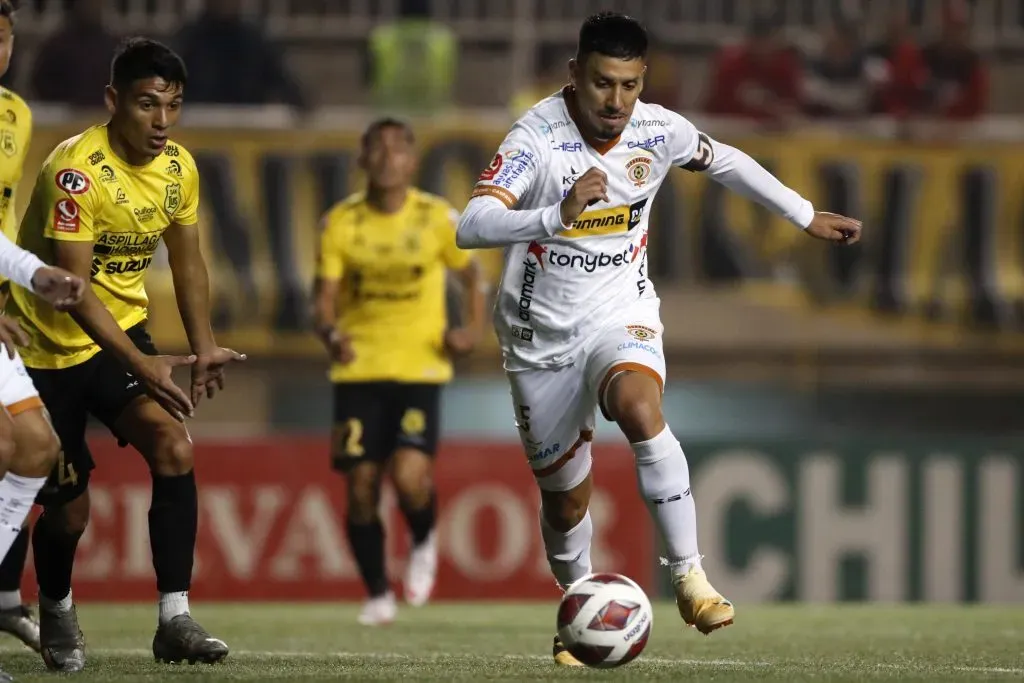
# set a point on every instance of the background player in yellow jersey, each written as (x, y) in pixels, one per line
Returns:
(102, 202)
(28, 446)
(380, 311)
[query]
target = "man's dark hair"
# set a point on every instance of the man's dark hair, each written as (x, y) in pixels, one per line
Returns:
(613, 35)
(139, 58)
(377, 126)
(7, 9)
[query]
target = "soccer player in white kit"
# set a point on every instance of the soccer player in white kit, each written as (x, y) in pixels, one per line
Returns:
(568, 195)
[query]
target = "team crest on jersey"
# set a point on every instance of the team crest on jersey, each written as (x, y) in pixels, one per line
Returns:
(641, 332)
(8, 143)
(172, 200)
(638, 170)
(72, 181)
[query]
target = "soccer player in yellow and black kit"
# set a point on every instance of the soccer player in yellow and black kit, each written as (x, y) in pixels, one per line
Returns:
(100, 206)
(380, 311)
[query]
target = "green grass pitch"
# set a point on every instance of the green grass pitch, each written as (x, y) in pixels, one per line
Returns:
(494, 641)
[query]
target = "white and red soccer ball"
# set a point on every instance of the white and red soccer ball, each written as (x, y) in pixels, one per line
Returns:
(605, 620)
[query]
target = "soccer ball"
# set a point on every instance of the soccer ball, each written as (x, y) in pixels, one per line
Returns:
(604, 620)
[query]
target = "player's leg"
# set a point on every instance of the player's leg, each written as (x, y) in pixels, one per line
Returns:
(359, 448)
(173, 523)
(554, 414)
(65, 502)
(627, 371)
(412, 473)
(117, 399)
(35, 455)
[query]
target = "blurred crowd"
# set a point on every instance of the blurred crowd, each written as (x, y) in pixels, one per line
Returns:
(231, 59)
(764, 77)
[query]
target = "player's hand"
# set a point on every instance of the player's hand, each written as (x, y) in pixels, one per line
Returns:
(11, 335)
(588, 189)
(155, 373)
(208, 372)
(59, 287)
(339, 347)
(834, 228)
(461, 340)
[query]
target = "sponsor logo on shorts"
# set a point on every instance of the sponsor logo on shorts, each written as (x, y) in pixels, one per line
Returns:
(522, 333)
(544, 452)
(649, 348)
(641, 332)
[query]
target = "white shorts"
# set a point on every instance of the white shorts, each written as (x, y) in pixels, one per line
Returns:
(555, 407)
(17, 392)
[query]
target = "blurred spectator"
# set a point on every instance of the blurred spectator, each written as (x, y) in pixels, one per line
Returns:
(836, 83)
(231, 61)
(896, 69)
(760, 79)
(73, 64)
(413, 62)
(958, 78)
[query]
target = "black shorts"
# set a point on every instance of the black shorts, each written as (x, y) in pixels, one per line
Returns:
(100, 387)
(373, 419)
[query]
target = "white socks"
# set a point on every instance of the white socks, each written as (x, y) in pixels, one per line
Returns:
(569, 552)
(10, 599)
(17, 495)
(664, 480)
(172, 605)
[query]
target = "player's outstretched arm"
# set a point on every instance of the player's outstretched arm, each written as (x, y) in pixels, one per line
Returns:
(192, 292)
(93, 317)
(741, 174)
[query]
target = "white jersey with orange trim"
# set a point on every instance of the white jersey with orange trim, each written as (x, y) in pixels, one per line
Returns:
(560, 284)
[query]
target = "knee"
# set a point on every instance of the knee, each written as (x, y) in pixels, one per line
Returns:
(413, 481)
(635, 404)
(363, 494)
(70, 519)
(173, 454)
(6, 454)
(38, 449)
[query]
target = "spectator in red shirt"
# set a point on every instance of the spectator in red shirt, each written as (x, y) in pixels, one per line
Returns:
(958, 79)
(759, 79)
(897, 70)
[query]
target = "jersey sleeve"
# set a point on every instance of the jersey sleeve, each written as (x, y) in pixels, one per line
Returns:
(70, 198)
(454, 258)
(514, 167)
(691, 149)
(188, 209)
(330, 258)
